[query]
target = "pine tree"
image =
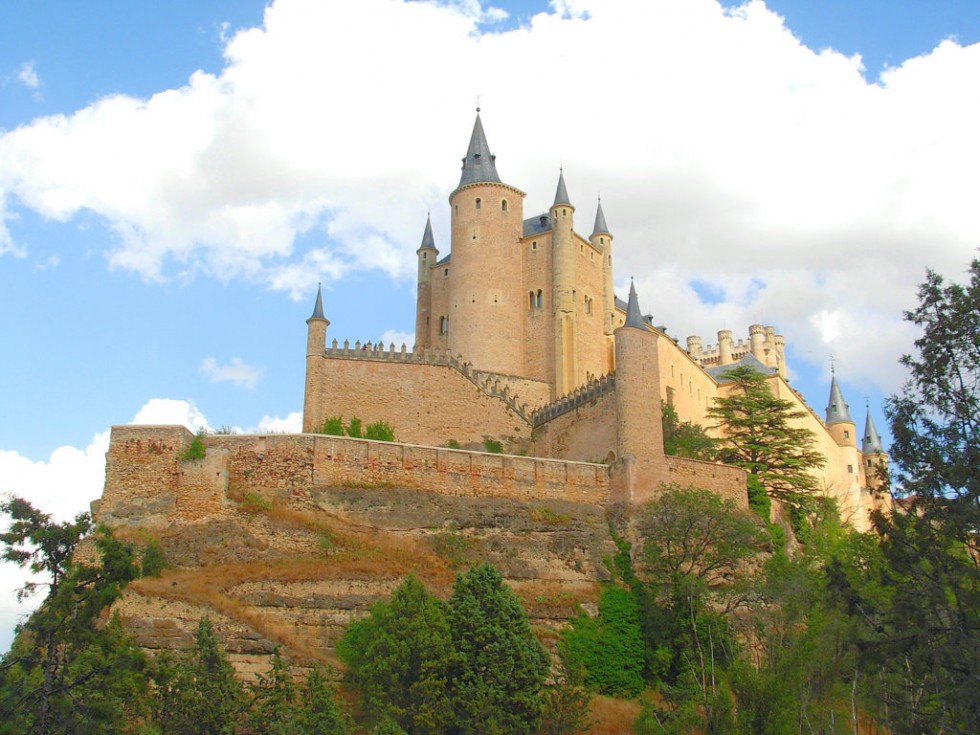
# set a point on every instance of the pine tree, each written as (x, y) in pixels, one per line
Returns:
(67, 672)
(758, 434)
(500, 666)
(922, 614)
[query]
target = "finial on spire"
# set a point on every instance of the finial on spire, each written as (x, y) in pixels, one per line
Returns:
(561, 195)
(600, 227)
(479, 164)
(318, 306)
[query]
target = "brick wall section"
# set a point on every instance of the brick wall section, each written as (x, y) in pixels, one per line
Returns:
(723, 479)
(587, 433)
(424, 404)
(142, 473)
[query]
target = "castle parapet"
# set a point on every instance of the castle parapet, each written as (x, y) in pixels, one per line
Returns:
(763, 343)
(570, 401)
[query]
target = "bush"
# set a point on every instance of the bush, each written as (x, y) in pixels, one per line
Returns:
(354, 428)
(492, 446)
(195, 449)
(379, 431)
(333, 426)
(152, 561)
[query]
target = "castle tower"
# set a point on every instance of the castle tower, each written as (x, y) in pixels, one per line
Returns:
(486, 288)
(873, 455)
(427, 255)
(839, 422)
(601, 240)
(725, 347)
(757, 340)
(316, 345)
(563, 288)
(640, 466)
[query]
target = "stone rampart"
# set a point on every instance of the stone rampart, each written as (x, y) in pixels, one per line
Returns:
(585, 431)
(570, 401)
(722, 479)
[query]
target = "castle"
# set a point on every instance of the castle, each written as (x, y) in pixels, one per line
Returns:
(521, 339)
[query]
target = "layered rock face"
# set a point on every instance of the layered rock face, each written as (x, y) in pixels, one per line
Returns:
(276, 560)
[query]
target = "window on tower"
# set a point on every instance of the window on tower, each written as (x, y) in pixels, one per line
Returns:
(503, 205)
(478, 203)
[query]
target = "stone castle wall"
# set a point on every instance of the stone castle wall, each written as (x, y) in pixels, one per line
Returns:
(147, 483)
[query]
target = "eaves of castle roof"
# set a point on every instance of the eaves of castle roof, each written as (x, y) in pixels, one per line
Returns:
(749, 360)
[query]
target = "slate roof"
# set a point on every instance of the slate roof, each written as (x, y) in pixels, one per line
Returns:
(479, 164)
(837, 412)
(749, 360)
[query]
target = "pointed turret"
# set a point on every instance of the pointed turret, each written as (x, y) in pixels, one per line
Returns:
(633, 316)
(871, 443)
(318, 306)
(600, 228)
(479, 164)
(561, 195)
(837, 412)
(428, 241)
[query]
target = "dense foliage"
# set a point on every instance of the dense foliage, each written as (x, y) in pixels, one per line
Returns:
(685, 438)
(758, 434)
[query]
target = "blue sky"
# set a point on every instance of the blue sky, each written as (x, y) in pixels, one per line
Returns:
(175, 178)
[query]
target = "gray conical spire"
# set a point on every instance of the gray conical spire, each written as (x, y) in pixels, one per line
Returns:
(836, 408)
(478, 166)
(428, 241)
(600, 227)
(561, 196)
(871, 444)
(318, 306)
(633, 317)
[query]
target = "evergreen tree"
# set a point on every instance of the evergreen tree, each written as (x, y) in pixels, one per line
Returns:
(67, 672)
(500, 666)
(922, 616)
(200, 695)
(320, 714)
(685, 439)
(758, 434)
(398, 658)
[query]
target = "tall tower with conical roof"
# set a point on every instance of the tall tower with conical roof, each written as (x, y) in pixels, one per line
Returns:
(873, 455)
(839, 422)
(563, 288)
(316, 345)
(486, 289)
(640, 466)
(601, 240)
(427, 257)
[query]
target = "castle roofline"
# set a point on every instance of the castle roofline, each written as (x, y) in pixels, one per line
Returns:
(479, 164)
(718, 371)
(634, 318)
(871, 443)
(600, 227)
(837, 412)
(318, 306)
(428, 241)
(561, 194)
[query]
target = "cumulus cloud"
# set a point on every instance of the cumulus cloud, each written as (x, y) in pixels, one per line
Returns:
(158, 411)
(291, 424)
(235, 372)
(393, 336)
(27, 75)
(727, 152)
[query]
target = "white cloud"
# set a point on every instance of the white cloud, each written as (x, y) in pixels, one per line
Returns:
(393, 336)
(235, 372)
(27, 75)
(726, 152)
(159, 411)
(292, 424)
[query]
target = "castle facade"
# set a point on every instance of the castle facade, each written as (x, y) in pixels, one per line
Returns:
(520, 339)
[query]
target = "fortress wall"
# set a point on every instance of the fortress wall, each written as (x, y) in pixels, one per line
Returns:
(142, 473)
(587, 433)
(349, 462)
(138, 490)
(539, 324)
(532, 392)
(692, 391)
(592, 346)
(725, 480)
(424, 404)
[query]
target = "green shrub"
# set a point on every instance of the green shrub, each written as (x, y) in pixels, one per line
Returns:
(354, 428)
(333, 426)
(452, 444)
(379, 431)
(255, 503)
(196, 449)
(492, 446)
(151, 560)
(759, 500)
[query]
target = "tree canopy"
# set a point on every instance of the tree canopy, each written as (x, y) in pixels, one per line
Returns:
(758, 434)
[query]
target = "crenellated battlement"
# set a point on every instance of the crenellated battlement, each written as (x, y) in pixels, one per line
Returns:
(763, 344)
(570, 401)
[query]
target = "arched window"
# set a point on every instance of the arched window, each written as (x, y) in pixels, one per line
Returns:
(539, 299)
(503, 205)
(478, 203)
(530, 299)
(444, 325)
